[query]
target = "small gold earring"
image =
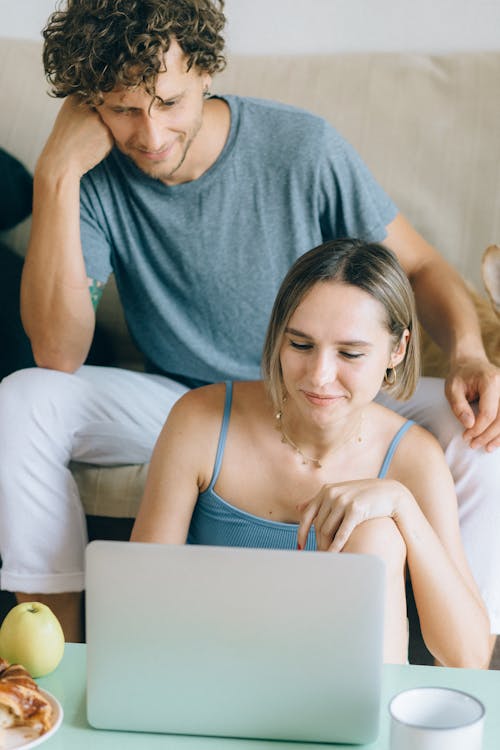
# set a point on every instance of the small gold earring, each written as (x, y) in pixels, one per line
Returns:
(390, 376)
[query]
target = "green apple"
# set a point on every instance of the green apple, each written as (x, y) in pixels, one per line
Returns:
(31, 635)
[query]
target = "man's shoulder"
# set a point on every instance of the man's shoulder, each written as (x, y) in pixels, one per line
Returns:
(281, 129)
(272, 110)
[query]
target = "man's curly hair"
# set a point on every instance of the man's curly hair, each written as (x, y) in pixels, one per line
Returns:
(94, 46)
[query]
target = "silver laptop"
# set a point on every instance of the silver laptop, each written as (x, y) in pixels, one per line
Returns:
(231, 642)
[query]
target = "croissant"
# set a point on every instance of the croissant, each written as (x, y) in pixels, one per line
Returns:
(21, 702)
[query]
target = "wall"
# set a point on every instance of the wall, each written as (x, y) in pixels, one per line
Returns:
(288, 26)
(349, 25)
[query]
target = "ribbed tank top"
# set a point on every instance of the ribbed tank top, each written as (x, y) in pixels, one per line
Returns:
(217, 522)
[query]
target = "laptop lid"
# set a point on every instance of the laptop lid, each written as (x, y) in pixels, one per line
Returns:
(233, 642)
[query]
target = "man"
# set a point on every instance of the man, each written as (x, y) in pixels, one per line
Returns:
(198, 205)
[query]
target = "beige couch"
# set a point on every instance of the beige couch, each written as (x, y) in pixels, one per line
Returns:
(426, 126)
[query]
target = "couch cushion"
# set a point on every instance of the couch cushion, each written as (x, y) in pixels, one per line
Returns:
(426, 126)
(112, 491)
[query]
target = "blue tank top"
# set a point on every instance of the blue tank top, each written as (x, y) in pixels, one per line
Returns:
(217, 522)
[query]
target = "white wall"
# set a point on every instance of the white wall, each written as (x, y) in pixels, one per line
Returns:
(289, 26)
(24, 19)
(350, 25)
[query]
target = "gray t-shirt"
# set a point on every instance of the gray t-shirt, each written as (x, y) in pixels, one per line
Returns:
(198, 264)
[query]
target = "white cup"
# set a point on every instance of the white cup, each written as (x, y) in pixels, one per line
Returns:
(434, 718)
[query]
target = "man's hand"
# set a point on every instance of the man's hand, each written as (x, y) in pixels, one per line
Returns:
(79, 140)
(476, 380)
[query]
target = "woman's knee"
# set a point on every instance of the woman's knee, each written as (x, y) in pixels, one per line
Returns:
(380, 537)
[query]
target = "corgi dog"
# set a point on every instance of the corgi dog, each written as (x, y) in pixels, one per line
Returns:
(434, 361)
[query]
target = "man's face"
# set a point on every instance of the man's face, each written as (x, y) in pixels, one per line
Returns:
(157, 135)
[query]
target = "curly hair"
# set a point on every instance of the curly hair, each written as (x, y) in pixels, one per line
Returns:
(94, 46)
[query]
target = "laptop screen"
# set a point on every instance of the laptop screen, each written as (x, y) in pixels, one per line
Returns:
(230, 642)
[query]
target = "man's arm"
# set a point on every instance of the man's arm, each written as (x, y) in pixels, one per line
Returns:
(56, 305)
(447, 312)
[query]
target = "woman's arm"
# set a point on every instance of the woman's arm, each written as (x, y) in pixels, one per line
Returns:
(453, 618)
(420, 498)
(182, 464)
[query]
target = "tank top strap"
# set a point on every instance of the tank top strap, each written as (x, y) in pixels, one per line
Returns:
(223, 434)
(392, 447)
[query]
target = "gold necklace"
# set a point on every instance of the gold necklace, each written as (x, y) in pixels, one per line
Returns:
(308, 459)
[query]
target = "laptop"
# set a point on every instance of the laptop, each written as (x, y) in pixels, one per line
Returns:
(231, 642)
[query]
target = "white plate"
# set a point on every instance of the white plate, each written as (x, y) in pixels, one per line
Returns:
(24, 737)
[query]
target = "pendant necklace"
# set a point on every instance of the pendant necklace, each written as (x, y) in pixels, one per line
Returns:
(308, 459)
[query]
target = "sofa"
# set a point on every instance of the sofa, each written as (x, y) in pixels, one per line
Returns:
(427, 126)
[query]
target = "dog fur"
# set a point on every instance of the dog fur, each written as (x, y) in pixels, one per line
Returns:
(434, 361)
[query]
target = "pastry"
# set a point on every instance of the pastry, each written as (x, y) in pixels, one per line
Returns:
(21, 702)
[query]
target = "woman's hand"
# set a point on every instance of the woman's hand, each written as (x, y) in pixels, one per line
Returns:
(338, 508)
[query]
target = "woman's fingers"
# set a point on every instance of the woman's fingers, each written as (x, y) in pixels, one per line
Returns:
(309, 511)
(344, 531)
(338, 508)
(327, 528)
(325, 512)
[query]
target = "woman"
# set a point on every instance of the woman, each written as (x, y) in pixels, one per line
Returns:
(307, 459)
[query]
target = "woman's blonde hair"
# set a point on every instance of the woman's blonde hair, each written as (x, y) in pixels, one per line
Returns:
(367, 266)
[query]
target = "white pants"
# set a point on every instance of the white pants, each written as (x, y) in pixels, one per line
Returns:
(109, 416)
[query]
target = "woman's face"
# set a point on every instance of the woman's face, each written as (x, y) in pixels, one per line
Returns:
(335, 351)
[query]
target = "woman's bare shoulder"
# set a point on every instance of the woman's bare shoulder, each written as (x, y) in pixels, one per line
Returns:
(420, 464)
(205, 404)
(417, 445)
(421, 444)
(200, 402)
